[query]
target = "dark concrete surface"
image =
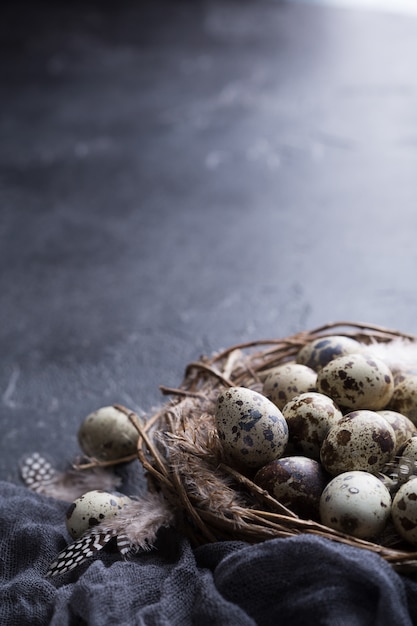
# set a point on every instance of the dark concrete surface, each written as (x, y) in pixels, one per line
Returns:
(179, 176)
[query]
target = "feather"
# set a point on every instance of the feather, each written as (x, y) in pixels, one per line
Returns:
(36, 471)
(39, 475)
(398, 354)
(79, 551)
(139, 521)
(135, 528)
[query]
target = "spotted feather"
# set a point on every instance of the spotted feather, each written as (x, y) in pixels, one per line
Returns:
(125, 545)
(79, 551)
(36, 471)
(135, 528)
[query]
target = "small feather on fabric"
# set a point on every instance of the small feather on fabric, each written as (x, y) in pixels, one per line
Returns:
(39, 475)
(72, 484)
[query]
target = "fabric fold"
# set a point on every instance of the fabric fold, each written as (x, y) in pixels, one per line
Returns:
(301, 580)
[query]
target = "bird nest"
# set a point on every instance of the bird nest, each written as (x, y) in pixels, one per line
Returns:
(182, 455)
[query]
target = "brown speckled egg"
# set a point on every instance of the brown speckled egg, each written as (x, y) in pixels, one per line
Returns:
(404, 511)
(409, 450)
(400, 373)
(361, 440)
(356, 503)
(107, 435)
(356, 381)
(295, 481)
(251, 428)
(284, 382)
(92, 508)
(402, 425)
(405, 464)
(309, 417)
(319, 352)
(404, 397)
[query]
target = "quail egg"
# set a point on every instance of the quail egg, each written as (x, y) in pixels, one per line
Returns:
(309, 417)
(356, 503)
(92, 508)
(295, 481)
(357, 381)
(361, 440)
(319, 352)
(284, 382)
(402, 425)
(107, 435)
(251, 428)
(404, 511)
(405, 464)
(404, 397)
(409, 450)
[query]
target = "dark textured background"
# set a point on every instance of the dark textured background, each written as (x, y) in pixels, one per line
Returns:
(176, 177)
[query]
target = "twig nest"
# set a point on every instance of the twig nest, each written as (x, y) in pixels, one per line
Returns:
(107, 434)
(316, 354)
(91, 509)
(361, 440)
(284, 382)
(357, 503)
(357, 381)
(309, 417)
(404, 511)
(246, 481)
(251, 428)
(296, 481)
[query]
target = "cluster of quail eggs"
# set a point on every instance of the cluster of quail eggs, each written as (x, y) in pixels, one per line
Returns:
(106, 434)
(332, 436)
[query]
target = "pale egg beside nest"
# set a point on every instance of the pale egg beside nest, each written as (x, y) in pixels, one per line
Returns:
(107, 434)
(91, 509)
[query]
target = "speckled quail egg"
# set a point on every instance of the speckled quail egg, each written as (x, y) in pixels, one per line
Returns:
(107, 434)
(409, 450)
(251, 428)
(404, 397)
(284, 382)
(295, 481)
(92, 508)
(402, 425)
(361, 440)
(356, 503)
(405, 463)
(319, 352)
(309, 417)
(357, 381)
(404, 511)
(400, 373)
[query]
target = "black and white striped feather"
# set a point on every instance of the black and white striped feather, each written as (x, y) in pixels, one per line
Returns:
(135, 528)
(37, 472)
(40, 476)
(79, 551)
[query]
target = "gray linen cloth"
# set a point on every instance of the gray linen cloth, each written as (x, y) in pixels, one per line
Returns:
(297, 581)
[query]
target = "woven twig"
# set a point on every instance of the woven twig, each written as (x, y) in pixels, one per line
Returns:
(179, 449)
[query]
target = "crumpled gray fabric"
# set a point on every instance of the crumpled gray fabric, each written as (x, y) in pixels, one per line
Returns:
(298, 581)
